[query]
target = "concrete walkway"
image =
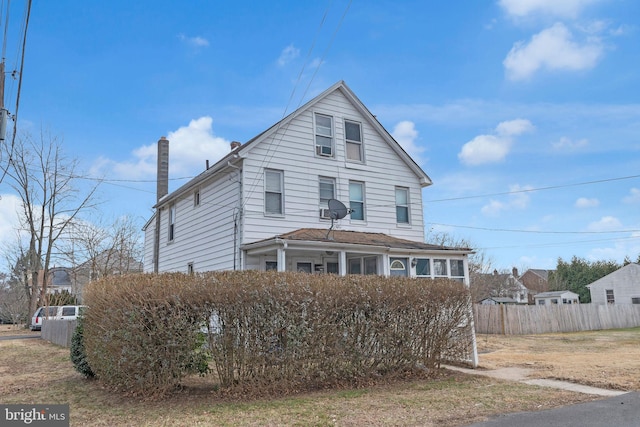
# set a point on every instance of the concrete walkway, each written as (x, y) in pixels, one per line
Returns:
(522, 375)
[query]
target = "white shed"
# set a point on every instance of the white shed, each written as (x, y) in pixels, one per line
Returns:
(556, 297)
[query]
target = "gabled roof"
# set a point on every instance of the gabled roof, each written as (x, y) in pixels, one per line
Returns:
(544, 274)
(630, 271)
(553, 294)
(343, 237)
(243, 150)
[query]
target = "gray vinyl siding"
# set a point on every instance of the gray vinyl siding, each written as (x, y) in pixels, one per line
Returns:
(292, 150)
(203, 234)
(625, 283)
(148, 246)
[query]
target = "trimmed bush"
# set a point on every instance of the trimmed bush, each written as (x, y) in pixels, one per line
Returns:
(144, 333)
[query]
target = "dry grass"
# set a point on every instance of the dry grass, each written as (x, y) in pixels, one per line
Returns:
(33, 371)
(608, 359)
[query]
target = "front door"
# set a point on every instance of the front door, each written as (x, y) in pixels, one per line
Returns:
(399, 266)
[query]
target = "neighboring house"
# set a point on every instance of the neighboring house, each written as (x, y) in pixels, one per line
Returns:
(536, 281)
(59, 280)
(503, 285)
(557, 297)
(106, 263)
(620, 287)
(265, 205)
(497, 301)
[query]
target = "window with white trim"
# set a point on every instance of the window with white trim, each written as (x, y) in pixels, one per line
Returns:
(356, 200)
(610, 298)
(273, 192)
(353, 140)
(457, 269)
(196, 198)
(324, 135)
(327, 192)
(440, 267)
(423, 267)
(172, 222)
(402, 205)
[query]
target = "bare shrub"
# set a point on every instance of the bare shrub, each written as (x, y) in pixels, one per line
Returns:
(267, 328)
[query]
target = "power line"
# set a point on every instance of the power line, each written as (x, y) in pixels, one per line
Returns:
(533, 231)
(530, 190)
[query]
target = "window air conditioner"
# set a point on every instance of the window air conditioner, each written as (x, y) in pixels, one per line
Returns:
(325, 214)
(323, 150)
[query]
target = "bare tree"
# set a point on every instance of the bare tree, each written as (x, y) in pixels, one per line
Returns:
(100, 249)
(47, 184)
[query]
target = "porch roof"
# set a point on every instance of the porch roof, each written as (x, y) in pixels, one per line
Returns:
(344, 238)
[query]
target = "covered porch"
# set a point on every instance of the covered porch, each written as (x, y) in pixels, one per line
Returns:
(341, 252)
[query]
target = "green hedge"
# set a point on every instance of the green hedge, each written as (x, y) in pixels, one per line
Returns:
(143, 333)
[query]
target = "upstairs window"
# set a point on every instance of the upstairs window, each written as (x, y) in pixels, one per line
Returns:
(402, 205)
(273, 192)
(172, 222)
(353, 140)
(327, 192)
(356, 200)
(324, 135)
(196, 198)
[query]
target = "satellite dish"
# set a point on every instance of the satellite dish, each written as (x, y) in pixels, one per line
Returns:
(337, 210)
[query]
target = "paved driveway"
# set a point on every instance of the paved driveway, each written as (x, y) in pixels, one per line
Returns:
(618, 411)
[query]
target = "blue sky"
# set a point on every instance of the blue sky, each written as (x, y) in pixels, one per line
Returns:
(524, 113)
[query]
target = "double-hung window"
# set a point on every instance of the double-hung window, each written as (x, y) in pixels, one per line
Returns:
(402, 205)
(172, 222)
(324, 135)
(356, 200)
(353, 140)
(273, 192)
(327, 192)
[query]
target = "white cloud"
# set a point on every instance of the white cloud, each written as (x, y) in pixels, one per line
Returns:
(406, 134)
(189, 147)
(584, 202)
(633, 197)
(568, 144)
(518, 201)
(552, 49)
(9, 206)
(196, 41)
(288, 54)
(493, 148)
(606, 223)
(564, 8)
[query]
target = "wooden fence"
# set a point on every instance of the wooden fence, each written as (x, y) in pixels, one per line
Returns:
(534, 319)
(58, 331)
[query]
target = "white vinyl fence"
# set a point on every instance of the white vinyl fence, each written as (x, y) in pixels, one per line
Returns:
(533, 319)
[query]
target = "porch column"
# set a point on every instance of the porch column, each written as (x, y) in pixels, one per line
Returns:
(342, 263)
(282, 259)
(465, 264)
(386, 268)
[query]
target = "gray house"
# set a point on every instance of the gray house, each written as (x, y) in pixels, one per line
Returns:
(620, 287)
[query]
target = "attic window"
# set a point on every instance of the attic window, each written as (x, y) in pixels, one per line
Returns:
(353, 140)
(196, 198)
(324, 135)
